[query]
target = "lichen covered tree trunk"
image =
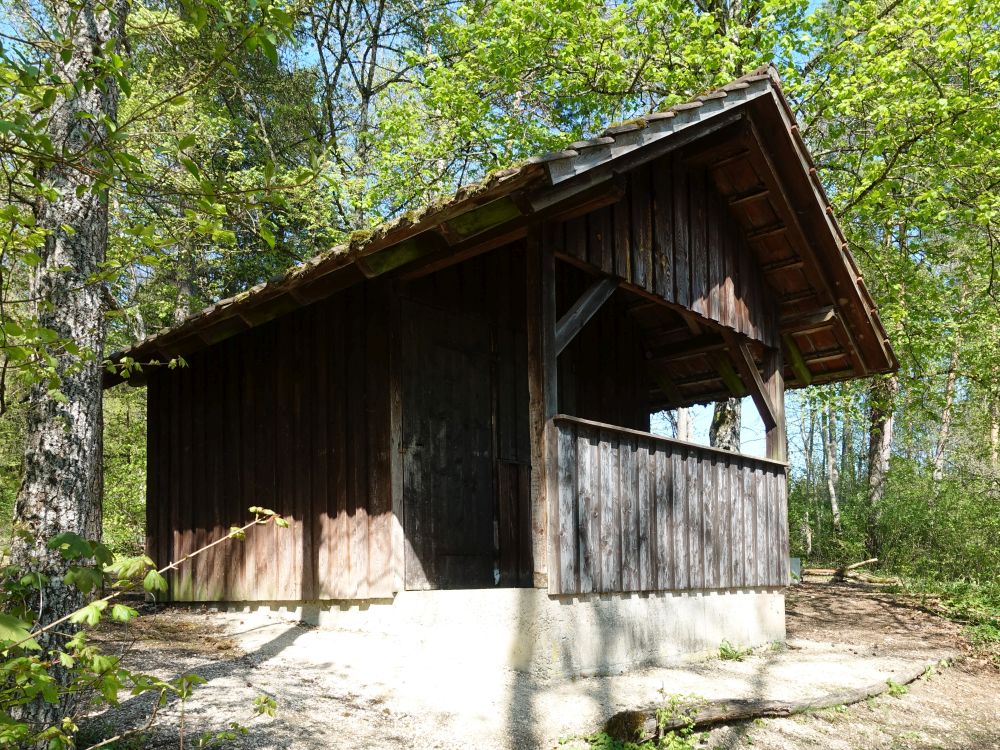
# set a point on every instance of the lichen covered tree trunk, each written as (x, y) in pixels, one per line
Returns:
(61, 486)
(726, 422)
(882, 404)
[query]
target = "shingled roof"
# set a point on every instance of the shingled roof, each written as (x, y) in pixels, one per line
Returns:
(500, 209)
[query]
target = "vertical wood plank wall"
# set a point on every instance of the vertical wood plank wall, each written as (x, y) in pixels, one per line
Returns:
(490, 288)
(672, 235)
(642, 513)
(293, 416)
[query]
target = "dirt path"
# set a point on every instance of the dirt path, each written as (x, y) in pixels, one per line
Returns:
(339, 689)
(958, 708)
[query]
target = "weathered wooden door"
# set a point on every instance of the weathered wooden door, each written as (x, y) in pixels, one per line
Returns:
(448, 442)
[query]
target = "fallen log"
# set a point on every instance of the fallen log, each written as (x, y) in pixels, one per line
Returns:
(652, 723)
(876, 580)
(837, 574)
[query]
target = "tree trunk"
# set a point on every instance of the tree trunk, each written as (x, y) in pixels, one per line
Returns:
(830, 456)
(808, 441)
(61, 487)
(807, 533)
(994, 436)
(725, 430)
(848, 472)
(949, 398)
(682, 427)
(185, 287)
(882, 400)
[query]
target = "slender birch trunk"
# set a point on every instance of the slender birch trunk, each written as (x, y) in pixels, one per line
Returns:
(809, 439)
(994, 436)
(682, 428)
(61, 486)
(829, 433)
(848, 472)
(949, 398)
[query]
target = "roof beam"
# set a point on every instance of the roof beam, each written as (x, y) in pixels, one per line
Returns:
(753, 195)
(691, 348)
(802, 372)
(752, 380)
(666, 384)
(769, 174)
(787, 264)
(503, 234)
(764, 232)
(815, 321)
(827, 355)
(729, 377)
(582, 311)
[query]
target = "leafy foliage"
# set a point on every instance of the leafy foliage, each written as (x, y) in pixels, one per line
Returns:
(729, 652)
(252, 135)
(29, 669)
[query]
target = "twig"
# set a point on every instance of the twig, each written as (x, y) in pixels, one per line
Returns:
(258, 521)
(131, 732)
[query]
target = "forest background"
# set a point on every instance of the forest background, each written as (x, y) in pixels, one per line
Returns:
(240, 153)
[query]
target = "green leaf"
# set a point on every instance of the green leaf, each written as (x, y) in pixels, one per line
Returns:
(71, 546)
(34, 579)
(190, 166)
(86, 579)
(121, 613)
(58, 396)
(101, 554)
(267, 235)
(186, 142)
(13, 630)
(90, 614)
(154, 582)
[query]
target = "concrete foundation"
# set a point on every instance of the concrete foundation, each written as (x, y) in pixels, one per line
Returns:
(548, 636)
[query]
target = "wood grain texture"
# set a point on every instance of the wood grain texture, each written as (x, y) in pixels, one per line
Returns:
(301, 428)
(644, 513)
(673, 236)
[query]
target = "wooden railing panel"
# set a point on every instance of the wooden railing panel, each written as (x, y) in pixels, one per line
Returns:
(637, 512)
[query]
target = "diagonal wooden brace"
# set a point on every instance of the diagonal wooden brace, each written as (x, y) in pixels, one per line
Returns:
(582, 311)
(752, 380)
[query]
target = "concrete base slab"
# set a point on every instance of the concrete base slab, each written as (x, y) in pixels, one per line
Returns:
(550, 637)
(350, 688)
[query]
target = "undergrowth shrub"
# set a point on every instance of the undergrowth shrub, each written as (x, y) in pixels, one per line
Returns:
(54, 663)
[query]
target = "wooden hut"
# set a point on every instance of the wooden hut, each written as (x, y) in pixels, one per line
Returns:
(462, 399)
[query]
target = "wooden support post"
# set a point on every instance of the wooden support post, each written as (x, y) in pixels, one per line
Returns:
(752, 380)
(582, 311)
(396, 533)
(774, 380)
(542, 398)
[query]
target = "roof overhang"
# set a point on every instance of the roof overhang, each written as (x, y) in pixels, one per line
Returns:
(747, 119)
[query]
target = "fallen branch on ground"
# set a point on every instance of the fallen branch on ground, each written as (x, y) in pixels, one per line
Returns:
(838, 573)
(651, 723)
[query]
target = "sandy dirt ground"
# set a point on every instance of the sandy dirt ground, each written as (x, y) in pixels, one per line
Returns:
(337, 689)
(957, 708)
